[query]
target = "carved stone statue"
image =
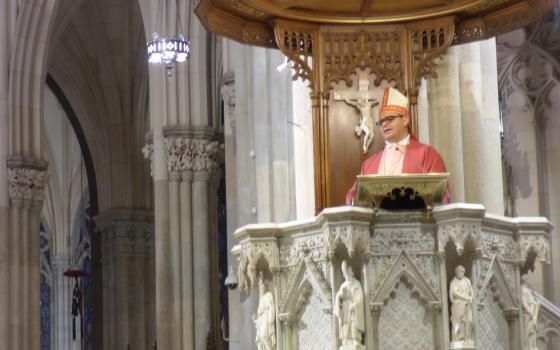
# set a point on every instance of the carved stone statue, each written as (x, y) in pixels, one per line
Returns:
(461, 295)
(530, 316)
(364, 105)
(265, 319)
(349, 311)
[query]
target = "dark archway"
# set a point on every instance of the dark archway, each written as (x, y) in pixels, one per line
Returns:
(95, 280)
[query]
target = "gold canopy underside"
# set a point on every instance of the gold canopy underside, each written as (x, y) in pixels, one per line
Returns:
(251, 21)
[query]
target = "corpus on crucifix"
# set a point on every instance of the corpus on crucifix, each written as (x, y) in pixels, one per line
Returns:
(363, 100)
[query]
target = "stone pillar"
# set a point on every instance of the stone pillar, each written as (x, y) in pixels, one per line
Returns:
(61, 303)
(464, 123)
(5, 280)
(201, 259)
(262, 157)
(445, 331)
(128, 278)
(21, 255)
(228, 96)
(184, 240)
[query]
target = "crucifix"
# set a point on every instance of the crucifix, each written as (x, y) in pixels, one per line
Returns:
(363, 100)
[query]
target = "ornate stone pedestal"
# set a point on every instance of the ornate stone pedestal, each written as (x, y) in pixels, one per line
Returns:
(462, 345)
(352, 347)
(404, 261)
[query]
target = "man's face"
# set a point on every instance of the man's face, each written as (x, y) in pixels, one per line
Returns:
(460, 273)
(394, 127)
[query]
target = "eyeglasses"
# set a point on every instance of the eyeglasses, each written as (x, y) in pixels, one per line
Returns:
(388, 119)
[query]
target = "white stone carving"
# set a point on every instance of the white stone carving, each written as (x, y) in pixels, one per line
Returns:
(503, 245)
(27, 184)
(493, 327)
(458, 233)
(228, 96)
(314, 331)
(184, 153)
(148, 152)
(537, 244)
(394, 240)
(248, 258)
(349, 311)
(354, 237)
(265, 319)
(404, 324)
(401, 263)
(205, 155)
(531, 309)
(308, 268)
(461, 294)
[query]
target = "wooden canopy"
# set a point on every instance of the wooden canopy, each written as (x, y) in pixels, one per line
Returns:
(329, 41)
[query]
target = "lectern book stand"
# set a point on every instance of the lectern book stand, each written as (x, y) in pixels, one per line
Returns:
(401, 192)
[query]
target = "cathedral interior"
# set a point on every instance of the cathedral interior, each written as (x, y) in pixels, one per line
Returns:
(165, 205)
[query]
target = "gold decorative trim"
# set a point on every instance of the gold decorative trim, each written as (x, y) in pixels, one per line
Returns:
(344, 51)
(372, 189)
(298, 42)
(428, 41)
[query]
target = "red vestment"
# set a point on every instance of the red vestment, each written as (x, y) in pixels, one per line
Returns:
(418, 159)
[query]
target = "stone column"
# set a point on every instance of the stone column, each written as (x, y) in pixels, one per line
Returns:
(464, 123)
(184, 243)
(128, 284)
(201, 259)
(5, 249)
(61, 303)
(264, 157)
(368, 336)
(230, 152)
(21, 257)
(445, 336)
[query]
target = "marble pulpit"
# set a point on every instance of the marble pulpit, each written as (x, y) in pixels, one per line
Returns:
(404, 262)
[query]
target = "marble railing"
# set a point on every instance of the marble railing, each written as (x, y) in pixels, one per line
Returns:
(548, 331)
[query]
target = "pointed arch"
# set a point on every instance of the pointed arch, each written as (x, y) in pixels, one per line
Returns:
(404, 267)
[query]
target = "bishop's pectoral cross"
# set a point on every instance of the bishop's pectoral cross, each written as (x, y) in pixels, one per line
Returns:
(363, 100)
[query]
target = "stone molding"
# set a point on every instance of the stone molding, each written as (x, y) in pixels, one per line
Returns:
(228, 96)
(126, 232)
(60, 263)
(27, 184)
(188, 154)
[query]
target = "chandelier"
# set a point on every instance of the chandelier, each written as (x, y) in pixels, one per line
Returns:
(168, 50)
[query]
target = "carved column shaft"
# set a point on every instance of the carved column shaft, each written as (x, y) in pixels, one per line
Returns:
(183, 168)
(470, 155)
(287, 321)
(368, 336)
(277, 283)
(446, 337)
(62, 295)
(201, 259)
(186, 258)
(175, 255)
(22, 256)
(475, 276)
(332, 263)
(128, 284)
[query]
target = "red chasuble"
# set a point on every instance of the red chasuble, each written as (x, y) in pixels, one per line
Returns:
(418, 159)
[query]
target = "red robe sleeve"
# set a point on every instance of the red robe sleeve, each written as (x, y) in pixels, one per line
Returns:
(369, 166)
